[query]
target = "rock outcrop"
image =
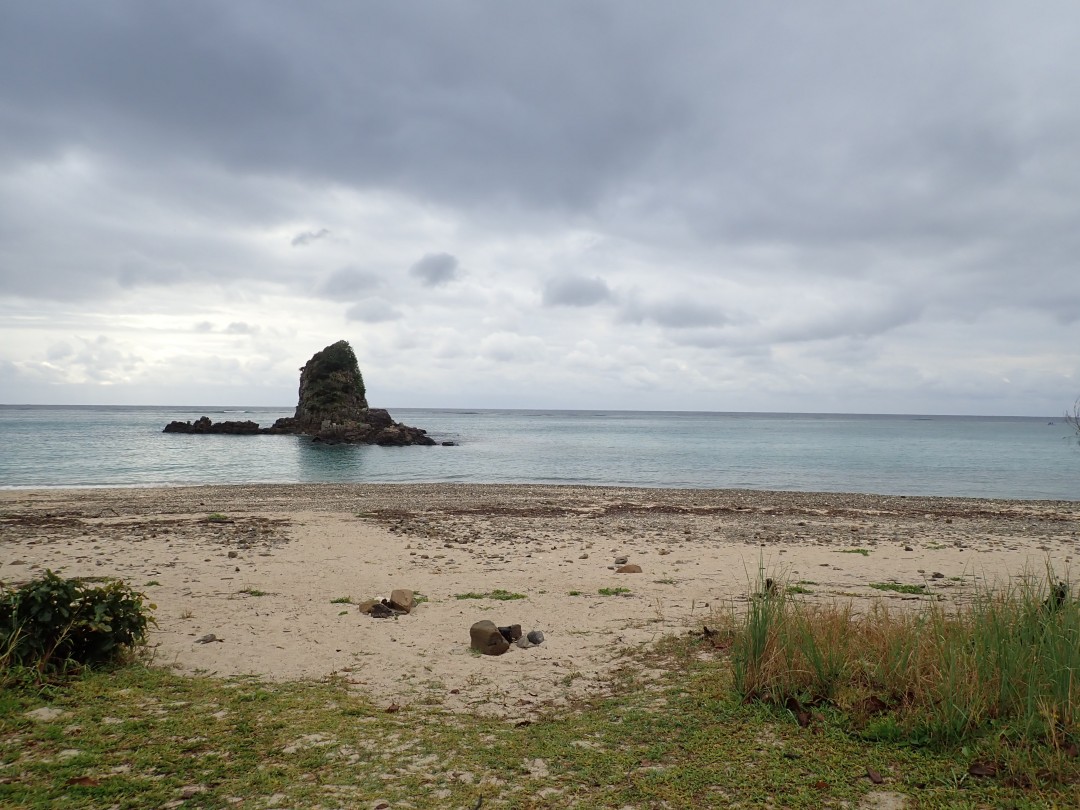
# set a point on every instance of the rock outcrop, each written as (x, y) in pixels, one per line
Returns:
(332, 408)
(204, 425)
(333, 405)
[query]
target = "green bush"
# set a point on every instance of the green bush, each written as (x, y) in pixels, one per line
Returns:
(52, 621)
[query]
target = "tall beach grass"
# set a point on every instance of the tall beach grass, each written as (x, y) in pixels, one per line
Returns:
(1002, 661)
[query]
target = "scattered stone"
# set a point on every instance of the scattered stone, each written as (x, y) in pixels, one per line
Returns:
(381, 611)
(628, 569)
(208, 638)
(908, 548)
(524, 643)
(191, 791)
(511, 633)
(536, 636)
(937, 575)
(45, 714)
(367, 605)
(485, 637)
(232, 555)
(622, 560)
(402, 599)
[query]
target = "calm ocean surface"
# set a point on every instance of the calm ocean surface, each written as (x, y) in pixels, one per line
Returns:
(998, 457)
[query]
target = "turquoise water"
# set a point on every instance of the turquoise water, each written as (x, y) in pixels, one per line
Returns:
(999, 457)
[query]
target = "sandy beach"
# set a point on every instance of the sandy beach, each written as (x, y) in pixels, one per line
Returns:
(268, 574)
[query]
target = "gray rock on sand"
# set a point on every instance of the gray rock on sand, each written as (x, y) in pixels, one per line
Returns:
(622, 560)
(531, 639)
(209, 637)
(485, 637)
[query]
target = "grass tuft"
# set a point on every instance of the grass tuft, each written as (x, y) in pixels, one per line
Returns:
(498, 594)
(899, 587)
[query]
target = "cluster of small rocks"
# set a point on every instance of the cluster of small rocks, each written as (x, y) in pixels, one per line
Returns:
(489, 639)
(401, 602)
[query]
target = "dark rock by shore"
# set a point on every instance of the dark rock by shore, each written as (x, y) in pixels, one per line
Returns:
(204, 425)
(332, 408)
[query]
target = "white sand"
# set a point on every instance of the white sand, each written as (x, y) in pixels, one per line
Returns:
(306, 545)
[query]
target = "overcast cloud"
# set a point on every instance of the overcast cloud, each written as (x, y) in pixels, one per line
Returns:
(799, 207)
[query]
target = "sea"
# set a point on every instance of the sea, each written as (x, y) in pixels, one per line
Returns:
(965, 456)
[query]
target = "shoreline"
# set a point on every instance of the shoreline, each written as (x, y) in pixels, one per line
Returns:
(265, 576)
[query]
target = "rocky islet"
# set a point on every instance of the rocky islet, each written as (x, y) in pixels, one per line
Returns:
(332, 409)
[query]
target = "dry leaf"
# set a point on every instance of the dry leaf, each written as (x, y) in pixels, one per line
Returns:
(83, 780)
(982, 769)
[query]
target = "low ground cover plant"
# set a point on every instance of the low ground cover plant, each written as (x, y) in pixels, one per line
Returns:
(53, 622)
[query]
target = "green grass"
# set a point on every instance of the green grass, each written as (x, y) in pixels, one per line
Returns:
(574, 593)
(342, 600)
(217, 517)
(793, 590)
(898, 587)
(613, 591)
(151, 583)
(863, 551)
(498, 594)
(254, 592)
(144, 736)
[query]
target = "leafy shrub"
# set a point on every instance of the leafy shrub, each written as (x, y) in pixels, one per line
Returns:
(52, 620)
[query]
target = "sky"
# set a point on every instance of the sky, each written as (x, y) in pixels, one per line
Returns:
(798, 207)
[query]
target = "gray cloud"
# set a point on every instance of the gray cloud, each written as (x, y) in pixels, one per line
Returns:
(307, 237)
(575, 291)
(435, 269)
(347, 283)
(675, 313)
(372, 310)
(241, 328)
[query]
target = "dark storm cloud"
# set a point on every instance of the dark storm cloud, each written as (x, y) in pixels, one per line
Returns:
(575, 291)
(911, 126)
(435, 269)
